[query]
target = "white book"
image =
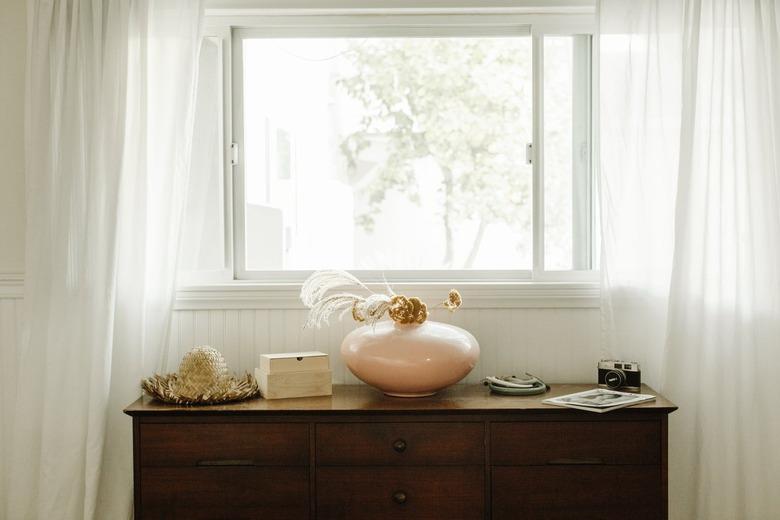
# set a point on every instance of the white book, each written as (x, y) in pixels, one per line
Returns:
(599, 400)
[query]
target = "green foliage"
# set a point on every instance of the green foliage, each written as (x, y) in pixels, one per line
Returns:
(465, 104)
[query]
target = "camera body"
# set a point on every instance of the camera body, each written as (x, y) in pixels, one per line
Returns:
(620, 375)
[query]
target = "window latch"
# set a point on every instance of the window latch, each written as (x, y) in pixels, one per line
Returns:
(233, 154)
(529, 153)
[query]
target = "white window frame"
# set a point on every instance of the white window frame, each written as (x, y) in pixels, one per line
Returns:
(231, 25)
(219, 35)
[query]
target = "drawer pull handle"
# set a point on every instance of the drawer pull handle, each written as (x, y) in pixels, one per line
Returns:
(399, 497)
(582, 462)
(226, 462)
(399, 445)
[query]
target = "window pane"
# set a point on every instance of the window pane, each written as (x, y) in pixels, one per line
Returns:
(202, 243)
(387, 153)
(567, 222)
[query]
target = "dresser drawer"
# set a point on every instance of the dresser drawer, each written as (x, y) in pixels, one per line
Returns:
(422, 493)
(214, 444)
(581, 492)
(235, 493)
(400, 443)
(580, 442)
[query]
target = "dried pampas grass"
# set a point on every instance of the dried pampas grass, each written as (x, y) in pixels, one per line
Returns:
(320, 282)
(322, 305)
(369, 309)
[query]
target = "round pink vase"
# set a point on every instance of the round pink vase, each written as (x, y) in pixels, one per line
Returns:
(410, 360)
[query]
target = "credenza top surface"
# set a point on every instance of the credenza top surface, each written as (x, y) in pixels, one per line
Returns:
(364, 399)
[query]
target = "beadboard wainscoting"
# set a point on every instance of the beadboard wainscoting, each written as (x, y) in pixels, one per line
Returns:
(557, 339)
(558, 343)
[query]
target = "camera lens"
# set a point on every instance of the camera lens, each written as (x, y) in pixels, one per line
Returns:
(615, 378)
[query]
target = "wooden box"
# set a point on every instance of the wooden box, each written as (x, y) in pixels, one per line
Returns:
(294, 362)
(294, 374)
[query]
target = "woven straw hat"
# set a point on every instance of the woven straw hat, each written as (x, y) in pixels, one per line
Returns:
(202, 379)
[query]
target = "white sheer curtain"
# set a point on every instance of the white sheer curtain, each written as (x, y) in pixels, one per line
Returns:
(109, 127)
(690, 171)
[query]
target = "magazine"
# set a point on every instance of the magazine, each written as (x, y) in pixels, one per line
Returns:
(599, 400)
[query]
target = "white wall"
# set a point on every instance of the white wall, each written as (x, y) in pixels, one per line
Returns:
(12, 61)
(556, 344)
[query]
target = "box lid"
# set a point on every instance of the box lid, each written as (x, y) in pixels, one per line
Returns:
(294, 362)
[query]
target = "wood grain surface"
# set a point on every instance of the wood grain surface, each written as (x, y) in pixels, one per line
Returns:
(603, 442)
(398, 444)
(442, 493)
(577, 492)
(364, 399)
(235, 493)
(191, 444)
(358, 454)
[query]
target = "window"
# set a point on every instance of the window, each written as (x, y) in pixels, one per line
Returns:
(398, 153)
(205, 249)
(411, 148)
(566, 166)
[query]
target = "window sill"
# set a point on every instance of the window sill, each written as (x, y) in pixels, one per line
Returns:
(253, 295)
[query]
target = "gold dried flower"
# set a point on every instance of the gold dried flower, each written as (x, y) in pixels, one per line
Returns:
(407, 310)
(453, 300)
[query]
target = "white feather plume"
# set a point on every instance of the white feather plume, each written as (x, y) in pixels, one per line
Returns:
(320, 282)
(390, 290)
(322, 305)
(374, 307)
(321, 310)
(369, 309)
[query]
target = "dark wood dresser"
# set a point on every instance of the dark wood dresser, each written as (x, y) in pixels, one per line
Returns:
(462, 454)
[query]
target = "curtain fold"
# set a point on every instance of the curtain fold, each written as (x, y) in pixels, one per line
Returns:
(108, 131)
(690, 134)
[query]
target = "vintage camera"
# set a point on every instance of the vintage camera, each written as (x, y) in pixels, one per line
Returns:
(620, 375)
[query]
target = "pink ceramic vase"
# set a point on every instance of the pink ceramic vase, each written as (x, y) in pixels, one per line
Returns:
(410, 360)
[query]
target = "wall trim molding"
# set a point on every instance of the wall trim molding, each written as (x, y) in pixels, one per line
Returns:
(400, 11)
(11, 285)
(252, 295)
(247, 295)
